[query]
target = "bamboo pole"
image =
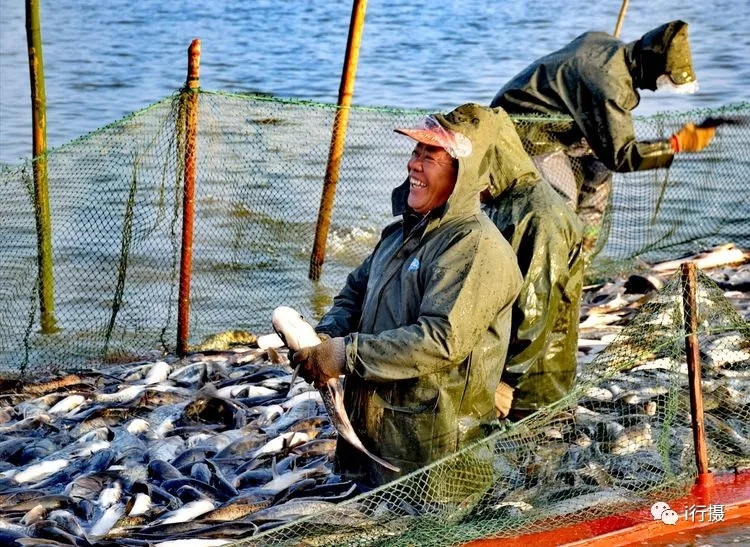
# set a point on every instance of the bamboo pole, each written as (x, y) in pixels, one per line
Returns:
(46, 281)
(338, 138)
(190, 105)
(692, 350)
(620, 17)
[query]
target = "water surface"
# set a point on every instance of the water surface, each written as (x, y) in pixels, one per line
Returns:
(106, 59)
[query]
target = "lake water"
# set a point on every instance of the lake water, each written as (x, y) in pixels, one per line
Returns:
(106, 59)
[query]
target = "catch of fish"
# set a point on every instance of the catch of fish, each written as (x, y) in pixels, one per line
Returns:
(297, 334)
(221, 446)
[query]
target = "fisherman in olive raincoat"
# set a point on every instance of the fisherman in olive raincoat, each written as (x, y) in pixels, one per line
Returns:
(546, 235)
(594, 79)
(421, 328)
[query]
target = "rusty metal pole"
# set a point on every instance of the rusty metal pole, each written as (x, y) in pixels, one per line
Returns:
(692, 350)
(338, 138)
(620, 17)
(39, 164)
(190, 104)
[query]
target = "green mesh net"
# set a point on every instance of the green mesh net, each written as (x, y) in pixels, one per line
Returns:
(621, 440)
(116, 220)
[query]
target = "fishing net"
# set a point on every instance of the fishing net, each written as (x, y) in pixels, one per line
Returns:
(224, 451)
(621, 440)
(116, 218)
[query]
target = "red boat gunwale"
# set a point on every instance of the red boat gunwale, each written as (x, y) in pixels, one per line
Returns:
(729, 489)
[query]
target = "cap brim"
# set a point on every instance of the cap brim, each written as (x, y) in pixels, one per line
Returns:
(422, 135)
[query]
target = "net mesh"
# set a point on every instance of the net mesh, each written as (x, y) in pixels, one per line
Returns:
(620, 439)
(116, 220)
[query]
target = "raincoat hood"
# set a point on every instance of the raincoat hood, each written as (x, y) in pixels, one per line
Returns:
(663, 50)
(497, 158)
(546, 236)
(501, 162)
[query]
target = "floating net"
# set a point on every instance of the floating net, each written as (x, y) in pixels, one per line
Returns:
(116, 221)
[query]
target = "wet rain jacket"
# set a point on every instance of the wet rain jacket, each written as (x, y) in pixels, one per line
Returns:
(546, 236)
(426, 320)
(594, 79)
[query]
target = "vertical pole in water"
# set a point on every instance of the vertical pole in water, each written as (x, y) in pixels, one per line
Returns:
(690, 310)
(190, 104)
(346, 89)
(39, 162)
(620, 17)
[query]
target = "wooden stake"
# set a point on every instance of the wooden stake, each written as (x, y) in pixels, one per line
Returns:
(338, 138)
(692, 351)
(620, 17)
(39, 162)
(190, 98)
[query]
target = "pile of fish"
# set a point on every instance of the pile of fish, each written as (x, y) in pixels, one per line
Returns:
(607, 307)
(624, 433)
(225, 445)
(210, 446)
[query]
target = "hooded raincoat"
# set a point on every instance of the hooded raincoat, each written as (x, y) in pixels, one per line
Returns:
(594, 79)
(426, 320)
(546, 236)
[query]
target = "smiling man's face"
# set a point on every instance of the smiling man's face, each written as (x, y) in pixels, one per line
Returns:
(432, 177)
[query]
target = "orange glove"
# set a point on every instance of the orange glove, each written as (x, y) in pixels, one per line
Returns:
(322, 362)
(691, 138)
(503, 399)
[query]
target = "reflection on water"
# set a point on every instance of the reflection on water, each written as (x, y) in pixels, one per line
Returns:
(104, 60)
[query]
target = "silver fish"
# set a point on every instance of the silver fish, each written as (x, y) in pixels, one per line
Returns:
(341, 515)
(282, 482)
(187, 512)
(39, 471)
(298, 333)
(157, 373)
(107, 520)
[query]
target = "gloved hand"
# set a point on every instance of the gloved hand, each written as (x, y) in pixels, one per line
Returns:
(503, 399)
(691, 138)
(322, 362)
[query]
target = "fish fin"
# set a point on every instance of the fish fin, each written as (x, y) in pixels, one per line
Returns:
(275, 356)
(203, 378)
(313, 464)
(274, 471)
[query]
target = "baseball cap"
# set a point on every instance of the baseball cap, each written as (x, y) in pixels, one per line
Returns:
(429, 131)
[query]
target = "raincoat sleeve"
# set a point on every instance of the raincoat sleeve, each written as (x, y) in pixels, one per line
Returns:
(343, 317)
(543, 260)
(466, 287)
(608, 128)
